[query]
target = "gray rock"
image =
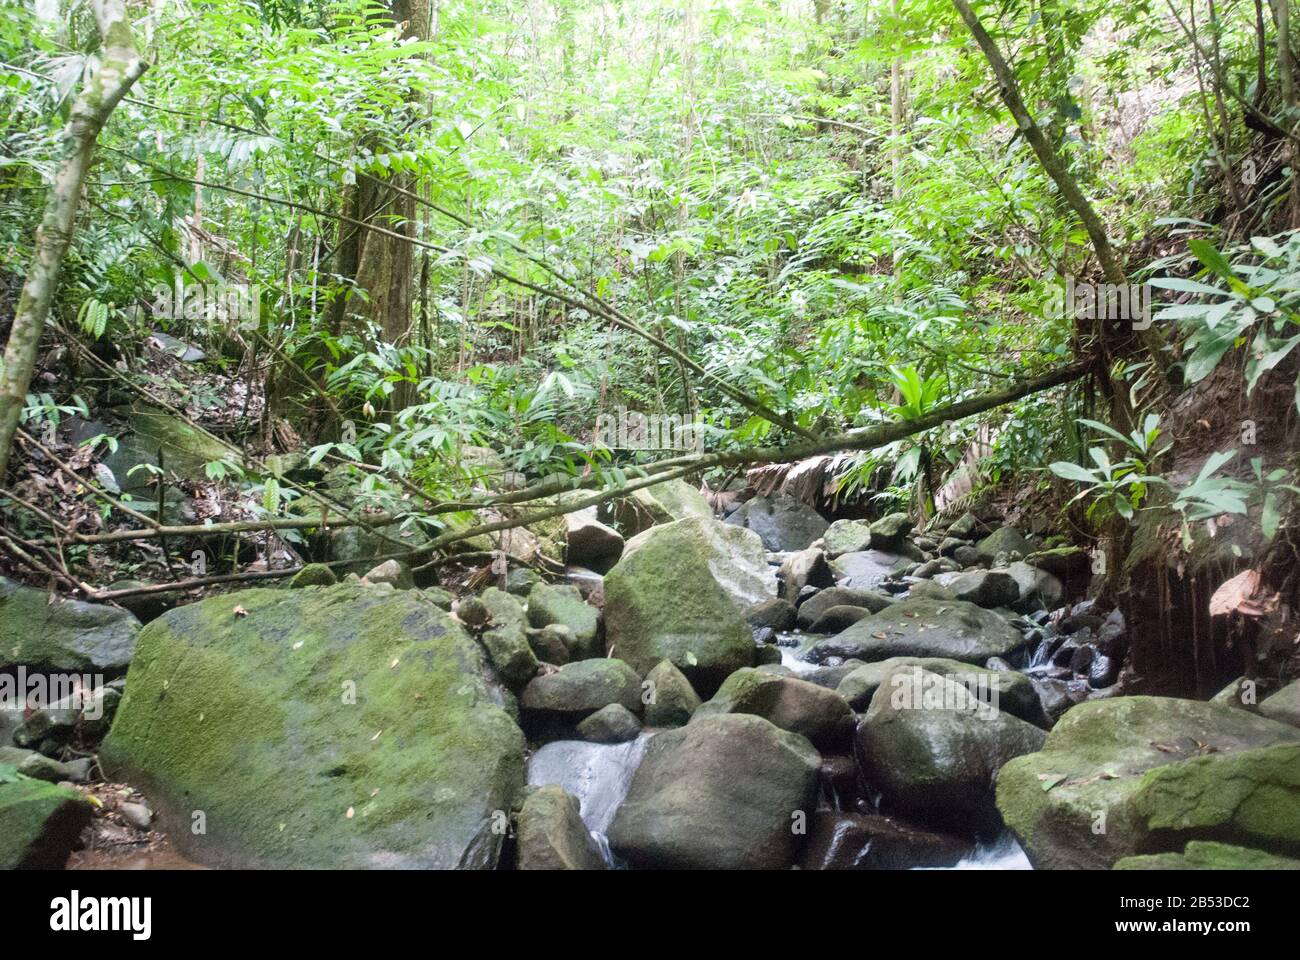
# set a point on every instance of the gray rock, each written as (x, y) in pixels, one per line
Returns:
(551, 834)
(66, 635)
(136, 814)
(807, 568)
(812, 608)
(613, 723)
(391, 572)
(579, 689)
(720, 794)
(839, 618)
(1008, 690)
(562, 604)
(889, 532)
(1004, 540)
(821, 715)
(783, 522)
(777, 614)
(846, 536)
(985, 588)
(951, 629)
(591, 543)
(1284, 705)
(670, 700)
(866, 569)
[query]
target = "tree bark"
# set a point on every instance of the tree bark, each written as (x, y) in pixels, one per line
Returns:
(120, 66)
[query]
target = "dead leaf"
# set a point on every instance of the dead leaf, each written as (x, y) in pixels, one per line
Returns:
(1236, 596)
(240, 612)
(351, 813)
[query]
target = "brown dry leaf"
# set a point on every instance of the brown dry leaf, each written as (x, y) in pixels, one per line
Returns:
(351, 813)
(1234, 596)
(240, 612)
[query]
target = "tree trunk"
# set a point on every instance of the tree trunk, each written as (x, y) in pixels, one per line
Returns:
(120, 66)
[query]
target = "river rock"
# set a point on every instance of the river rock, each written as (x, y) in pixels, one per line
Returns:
(66, 635)
(313, 575)
(329, 728)
(1004, 541)
(722, 793)
(869, 841)
(677, 595)
(562, 604)
(985, 588)
(1015, 692)
(776, 614)
(392, 572)
(1038, 589)
(821, 715)
(551, 834)
(40, 823)
(839, 618)
(506, 638)
(1098, 757)
(933, 750)
(589, 542)
(579, 689)
(661, 503)
(812, 608)
(865, 569)
(807, 568)
(782, 522)
(613, 723)
(1284, 705)
(1207, 855)
(889, 532)
(846, 536)
(914, 627)
(670, 700)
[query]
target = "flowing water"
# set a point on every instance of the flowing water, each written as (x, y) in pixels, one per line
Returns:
(1004, 853)
(598, 774)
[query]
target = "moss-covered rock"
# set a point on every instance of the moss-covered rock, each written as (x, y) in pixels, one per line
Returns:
(662, 503)
(846, 536)
(922, 627)
(670, 700)
(579, 689)
(326, 727)
(562, 604)
(552, 835)
(612, 723)
(506, 637)
(821, 715)
(1251, 797)
(1070, 805)
(664, 600)
(1207, 855)
(735, 556)
(1004, 541)
(313, 575)
(39, 822)
(66, 635)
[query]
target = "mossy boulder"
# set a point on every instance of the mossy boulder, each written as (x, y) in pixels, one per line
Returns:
(933, 747)
(506, 637)
(723, 793)
(1251, 797)
(66, 635)
(923, 627)
(736, 558)
(331, 727)
(561, 603)
(846, 536)
(185, 450)
(889, 532)
(1071, 804)
(821, 715)
(39, 822)
(811, 610)
(579, 689)
(673, 596)
(551, 834)
(670, 700)
(1207, 855)
(1005, 541)
(313, 575)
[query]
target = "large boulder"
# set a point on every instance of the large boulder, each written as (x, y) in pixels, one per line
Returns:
(920, 627)
(336, 727)
(933, 748)
(726, 792)
(66, 635)
(1014, 692)
(551, 834)
(677, 594)
(821, 715)
(39, 822)
(865, 569)
(811, 610)
(150, 430)
(1071, 805)
(846, 536)
(590, 543)
(782, 522)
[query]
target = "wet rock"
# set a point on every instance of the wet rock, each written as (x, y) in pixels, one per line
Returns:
(933, 749)
(813, 607)
(312, 703)
(66, 635)
(579, 689)
(807, 568)
(551, 834)
(1098, 756)
(40, 824)
(613, 723)
(767, 654)
(821, 715)
(776, 614)
(562, 604)
(951, 629)
(782, 522)
(721, 794)
(869, 841)
(1102, 671)
(670, 700)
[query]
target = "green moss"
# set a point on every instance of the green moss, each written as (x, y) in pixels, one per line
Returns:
(39, 823)
(1204, 855)
(248, 719)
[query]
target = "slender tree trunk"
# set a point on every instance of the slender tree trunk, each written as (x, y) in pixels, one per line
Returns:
(120, 66)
